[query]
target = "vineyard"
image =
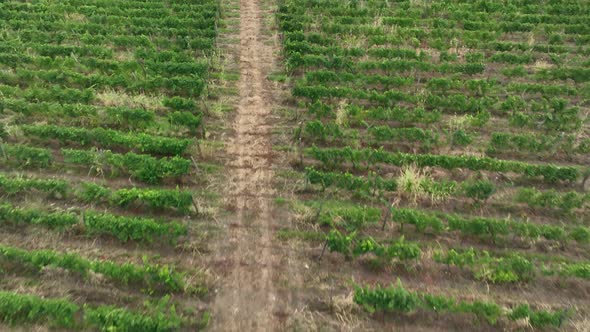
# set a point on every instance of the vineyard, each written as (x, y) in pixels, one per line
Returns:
(105, 155)
(440, 153)
(295, 165)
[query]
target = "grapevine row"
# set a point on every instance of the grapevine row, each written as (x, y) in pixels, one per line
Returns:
(148, 275)
(94, 224)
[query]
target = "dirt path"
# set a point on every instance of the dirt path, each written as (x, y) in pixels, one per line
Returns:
(247, 298)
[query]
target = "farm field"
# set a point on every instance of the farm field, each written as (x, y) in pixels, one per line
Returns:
(294, 165)
(107, 164)
(440, 155)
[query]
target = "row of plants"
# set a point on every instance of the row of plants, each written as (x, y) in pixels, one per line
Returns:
(130, 116)
(551, 115)
(335, 157)
(505, 142)
(147, 9)
(510, 268)
(197, 41)
(113, 20)
(301, 54)
(350, 218)
(478, 87)
(189, 85)
(439, 38)
(201, 41)
(488, 228)
(145, 168)
(152, 276)
(90, 192)
(146, 61)
(62, 313)
(176, 12)
(552, 199)
(358, 116)
(19, 185)
(349, 181)
(401, 53)
(298, 61)
(181, 200)
(375, 186)
(317, 131)
(329, 76)
(350, 245)
(95, 224)
(185, 114)
(412, 134)
(108, 138)
(507, 268)
(500, 28)
(397, 299)
(388, 98)
(554, 43)
(456, 14)
(451, 14)
(174, 16)
(55, 93)
(26, 156)
(141, 8)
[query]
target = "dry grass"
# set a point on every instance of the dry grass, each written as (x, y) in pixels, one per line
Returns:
(118, 98)
(581, 325)
(413, 184)
(75, 17)
(531, 39)
(346, 311)
(421, 3)
(409, 183)
(13, 131)
(124, 56)
(96, 278)
(303, 214)
(344, 317)
(351, 41)
(458, 122)
(342, 114)
(378, 22)
(29, 328)
(542, 64)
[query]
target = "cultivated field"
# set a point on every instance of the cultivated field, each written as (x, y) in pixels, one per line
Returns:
(105, 195)
(294, 165)
(443, 147)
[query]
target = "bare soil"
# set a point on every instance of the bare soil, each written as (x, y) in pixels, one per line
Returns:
(249, 261)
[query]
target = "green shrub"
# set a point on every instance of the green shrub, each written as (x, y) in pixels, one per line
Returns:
(185, 118)
(180, 104)
(479, 190)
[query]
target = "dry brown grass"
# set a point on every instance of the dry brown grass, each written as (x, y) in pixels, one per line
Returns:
(75, 17)
(124, 56)
(119, 98)
(581, 325)
(541, 64)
